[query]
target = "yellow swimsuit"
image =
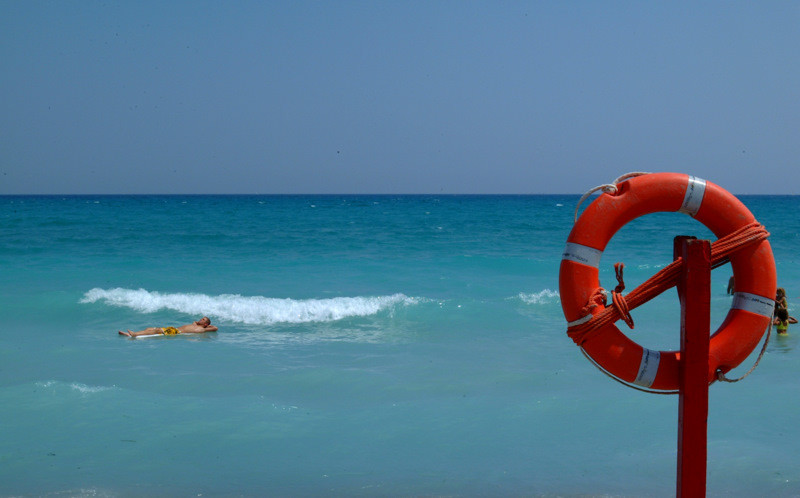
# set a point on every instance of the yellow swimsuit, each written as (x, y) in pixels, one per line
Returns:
(170, 331)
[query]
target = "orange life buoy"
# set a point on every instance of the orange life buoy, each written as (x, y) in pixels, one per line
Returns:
(753, 269)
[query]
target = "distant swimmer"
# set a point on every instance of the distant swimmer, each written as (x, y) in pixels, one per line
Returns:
(780, 299)
(199, 327)
(731, 285)
(782, 321)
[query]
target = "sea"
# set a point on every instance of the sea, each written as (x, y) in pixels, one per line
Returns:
(368, 345)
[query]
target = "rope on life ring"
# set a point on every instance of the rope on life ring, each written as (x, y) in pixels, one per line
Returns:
(721, 375)
(608, 188)
(742, 241)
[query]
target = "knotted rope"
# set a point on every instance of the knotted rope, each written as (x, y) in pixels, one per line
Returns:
(666, 278)
(618, 299)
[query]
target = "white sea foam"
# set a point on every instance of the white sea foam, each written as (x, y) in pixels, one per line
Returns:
(252, 310)
(77, 386)
(545, 296)
(84, 389)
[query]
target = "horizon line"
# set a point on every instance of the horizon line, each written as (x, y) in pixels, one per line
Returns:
(324, 194)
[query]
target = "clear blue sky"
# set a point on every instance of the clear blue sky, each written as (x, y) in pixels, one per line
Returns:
(395, 97)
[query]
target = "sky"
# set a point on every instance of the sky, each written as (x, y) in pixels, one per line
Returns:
(395, 97)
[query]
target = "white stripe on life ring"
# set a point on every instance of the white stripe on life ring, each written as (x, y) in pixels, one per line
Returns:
(580, 320)
(753, 303)
(584, 255)
(648, 368)
(694, 196)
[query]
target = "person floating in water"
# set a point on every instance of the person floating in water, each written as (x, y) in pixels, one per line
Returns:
(782, 321)
(200, 326)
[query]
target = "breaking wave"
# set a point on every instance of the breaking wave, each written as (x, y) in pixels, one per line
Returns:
(545, 296)
(251, 310)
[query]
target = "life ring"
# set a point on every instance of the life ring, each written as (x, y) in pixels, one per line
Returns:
(753, 269)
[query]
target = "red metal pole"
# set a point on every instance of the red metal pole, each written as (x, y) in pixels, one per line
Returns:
(694, 291)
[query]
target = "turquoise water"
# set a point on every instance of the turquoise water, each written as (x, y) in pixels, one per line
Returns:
(368, 346)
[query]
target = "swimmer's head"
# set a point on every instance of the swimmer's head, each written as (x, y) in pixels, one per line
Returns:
(204, 322)
(781, 292)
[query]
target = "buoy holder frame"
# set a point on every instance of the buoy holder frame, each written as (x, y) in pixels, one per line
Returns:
(694, 369)
(694, 293)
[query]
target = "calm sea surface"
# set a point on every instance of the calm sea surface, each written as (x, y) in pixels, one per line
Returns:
(367, 346)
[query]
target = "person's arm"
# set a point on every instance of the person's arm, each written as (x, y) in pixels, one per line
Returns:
(195, 328)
